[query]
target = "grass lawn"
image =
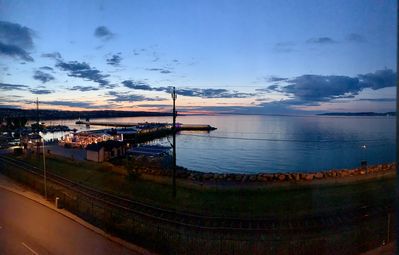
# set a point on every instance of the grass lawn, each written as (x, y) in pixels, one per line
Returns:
(263, 200)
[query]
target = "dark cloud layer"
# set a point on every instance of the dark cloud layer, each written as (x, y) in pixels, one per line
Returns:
(311, 89)
(321, 40)
(192, 92)
(161, 70)
(41, 91)
(43, 77)
(15, 34)
(115, 60)
(87, 105)
(54, 55)
(15, 40)
(47, 68)
(15, 52)
(103, 33)
(378, 80)
(139, 85)
(84, 88)
(275, 78)
(84, 71)
(125, 97)
(377, 99)
(6, 86)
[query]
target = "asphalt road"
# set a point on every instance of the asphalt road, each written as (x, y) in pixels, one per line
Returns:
(27, 227)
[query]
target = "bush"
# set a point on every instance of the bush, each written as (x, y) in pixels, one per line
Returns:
(104, 168)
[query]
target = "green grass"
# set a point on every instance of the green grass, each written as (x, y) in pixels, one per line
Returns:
(280, 201)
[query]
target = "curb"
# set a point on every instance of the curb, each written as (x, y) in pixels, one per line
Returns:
(78, 220)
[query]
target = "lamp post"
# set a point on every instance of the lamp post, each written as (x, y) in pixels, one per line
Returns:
(174, 96)
(44, 170)
(364, 160)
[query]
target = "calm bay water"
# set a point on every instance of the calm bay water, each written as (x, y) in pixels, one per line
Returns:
(255, 143)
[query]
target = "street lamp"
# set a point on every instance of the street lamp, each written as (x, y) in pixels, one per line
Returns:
(364, 160)
(44, 170)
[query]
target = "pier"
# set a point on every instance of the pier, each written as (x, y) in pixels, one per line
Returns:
(179, 127)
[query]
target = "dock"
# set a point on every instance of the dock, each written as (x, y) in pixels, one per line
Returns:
(143, 126)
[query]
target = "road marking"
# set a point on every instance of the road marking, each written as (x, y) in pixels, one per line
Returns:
(30, 249)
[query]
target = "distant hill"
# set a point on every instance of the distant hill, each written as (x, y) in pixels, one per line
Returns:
(56, 114)
(358, 114)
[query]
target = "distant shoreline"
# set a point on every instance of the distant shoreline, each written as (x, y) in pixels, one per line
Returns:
(44, 114)
(358, 114)
(31, 114)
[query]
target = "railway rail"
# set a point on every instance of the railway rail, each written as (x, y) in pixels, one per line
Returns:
(309, 223)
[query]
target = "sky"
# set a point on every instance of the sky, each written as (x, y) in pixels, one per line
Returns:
(248, 57)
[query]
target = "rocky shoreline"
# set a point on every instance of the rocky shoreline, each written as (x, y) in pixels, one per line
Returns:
(183, 173)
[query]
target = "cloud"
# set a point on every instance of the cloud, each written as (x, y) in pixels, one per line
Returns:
(321, 40)
(88, 105)
(6, 86)
(9, 106)
(377, 99)
(356, 38)
(161, 70)
(84, 71)
(210, 93)
(378, 80)
(43, 77)
(124, 97)
(275, 78)
(115, 60)
(284, 47)
(103, 33)
(41, 91)
(321, 88)
(47, 68)
(139, 85)
(83, 88)
(15, 40)
(14, 51)
(270, 88)
(154, 105)
(312, 89)
(15, 34)
(191, 92)
(54, 55)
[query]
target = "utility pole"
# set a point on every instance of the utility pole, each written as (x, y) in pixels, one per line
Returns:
(44, 170)
(37, 124)
(174, 96)
(37, 112)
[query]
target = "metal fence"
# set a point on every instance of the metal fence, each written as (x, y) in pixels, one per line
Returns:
(168, 238)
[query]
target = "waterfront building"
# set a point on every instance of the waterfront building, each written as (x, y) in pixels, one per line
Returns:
(106, 150)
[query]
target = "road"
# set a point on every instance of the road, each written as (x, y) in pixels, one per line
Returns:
(27, 227)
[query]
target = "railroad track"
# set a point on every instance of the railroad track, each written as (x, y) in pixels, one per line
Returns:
(309, 223)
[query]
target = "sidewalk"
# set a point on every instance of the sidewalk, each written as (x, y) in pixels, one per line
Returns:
(388, 249)
(11, 185)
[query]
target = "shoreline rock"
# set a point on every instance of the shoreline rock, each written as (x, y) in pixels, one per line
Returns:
(184, 173)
